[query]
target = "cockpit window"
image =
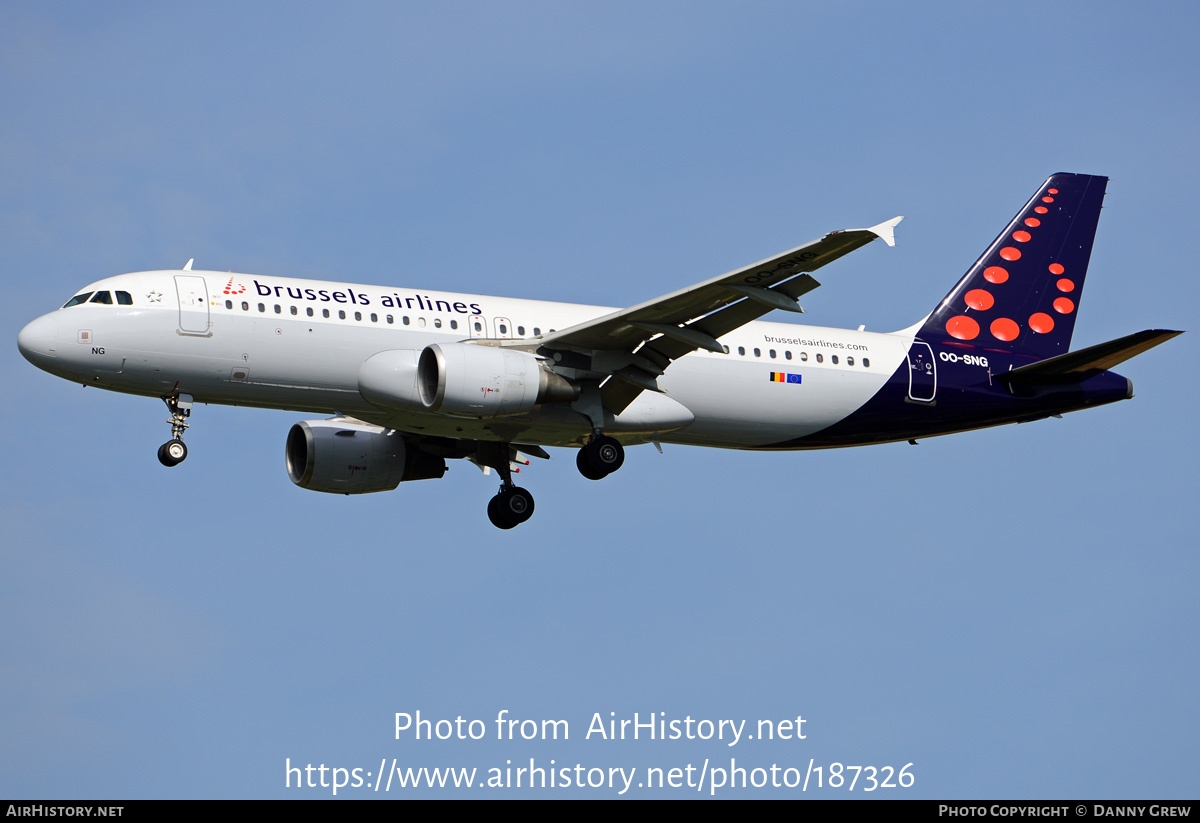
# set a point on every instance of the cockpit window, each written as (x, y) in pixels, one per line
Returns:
(77, 299)
(124, 298)
(102, 297)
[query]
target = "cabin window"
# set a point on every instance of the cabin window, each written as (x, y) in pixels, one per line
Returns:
(374, 317)
(849, 361)
(325, 312)
(262, 307)
(245, 306)
(309, 311)
(124, 298)
(866, 363)
(520, 331)
(537, 332)
(295, 311)
(787, 355)
(437, 322)
(833, 359)
(229, 304)
(341, 314)
(421, 322)
(454, 324)
(820, 358)
(390, 319)
(772, 353)
(278, 309)
(405, 318)
(503, 328)
(757, 352)
(742, 351)
(803, 357)
(358, 315)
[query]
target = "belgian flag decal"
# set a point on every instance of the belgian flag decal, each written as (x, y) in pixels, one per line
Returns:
(784, 377)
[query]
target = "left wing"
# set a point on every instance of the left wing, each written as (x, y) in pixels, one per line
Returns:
(635, 345)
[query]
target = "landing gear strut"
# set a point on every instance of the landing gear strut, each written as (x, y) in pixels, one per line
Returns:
(512, 505)
(173, 452)
(602, 456)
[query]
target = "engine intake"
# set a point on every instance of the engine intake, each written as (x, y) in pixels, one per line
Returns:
(486, 381)
(340, 457)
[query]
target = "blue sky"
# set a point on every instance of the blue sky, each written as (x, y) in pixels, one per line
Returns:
(1012, 611)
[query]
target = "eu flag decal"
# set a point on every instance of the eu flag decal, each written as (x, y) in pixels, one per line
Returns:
(784, 377)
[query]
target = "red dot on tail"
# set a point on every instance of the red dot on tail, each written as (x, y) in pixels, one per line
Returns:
(1032, 222)
(1052, 191)
(1064, 305)
(1041, 209)
(980, 299)
(1056, 268)
(1005, 329)
(1041, 323)
(1022, 236)
(995, 274)
(1010, 254)
(962, 327)
(1065, 285)
(1047, 199)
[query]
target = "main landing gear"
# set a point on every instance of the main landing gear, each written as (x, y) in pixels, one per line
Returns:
(600, 457)
(512, 505)
(174, 452)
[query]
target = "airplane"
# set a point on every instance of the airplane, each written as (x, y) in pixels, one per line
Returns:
(413, 378)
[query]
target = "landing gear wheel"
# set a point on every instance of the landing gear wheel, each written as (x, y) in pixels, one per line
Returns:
(172, 453)
(511, 507)
(601, 457)
(497, 516)
(585, 466)
(607, 454)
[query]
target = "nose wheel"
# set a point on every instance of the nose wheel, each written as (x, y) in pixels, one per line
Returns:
(174, 452)
(600, 457)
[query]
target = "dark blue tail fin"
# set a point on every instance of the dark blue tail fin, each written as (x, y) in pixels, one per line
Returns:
(1023, 294)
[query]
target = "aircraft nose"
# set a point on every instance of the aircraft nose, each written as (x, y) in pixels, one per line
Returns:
(38, 340)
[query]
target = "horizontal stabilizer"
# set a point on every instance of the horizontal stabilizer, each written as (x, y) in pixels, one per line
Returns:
(1077, 366)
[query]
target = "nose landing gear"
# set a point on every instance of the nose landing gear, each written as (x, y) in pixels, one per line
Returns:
(174, 452)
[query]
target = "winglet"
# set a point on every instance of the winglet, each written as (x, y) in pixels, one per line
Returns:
(190, 261)
(886, 230)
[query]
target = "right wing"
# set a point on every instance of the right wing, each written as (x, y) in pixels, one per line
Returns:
(635, 345)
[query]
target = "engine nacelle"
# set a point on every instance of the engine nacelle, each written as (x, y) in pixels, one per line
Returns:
(486, 381)
(354, 458)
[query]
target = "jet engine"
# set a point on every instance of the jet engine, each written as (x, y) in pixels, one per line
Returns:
(486, 381)
(343, 457)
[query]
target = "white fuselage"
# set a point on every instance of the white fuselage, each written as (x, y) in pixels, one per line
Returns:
(299, 344)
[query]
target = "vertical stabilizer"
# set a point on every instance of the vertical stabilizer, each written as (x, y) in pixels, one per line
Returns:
(1023, 293)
